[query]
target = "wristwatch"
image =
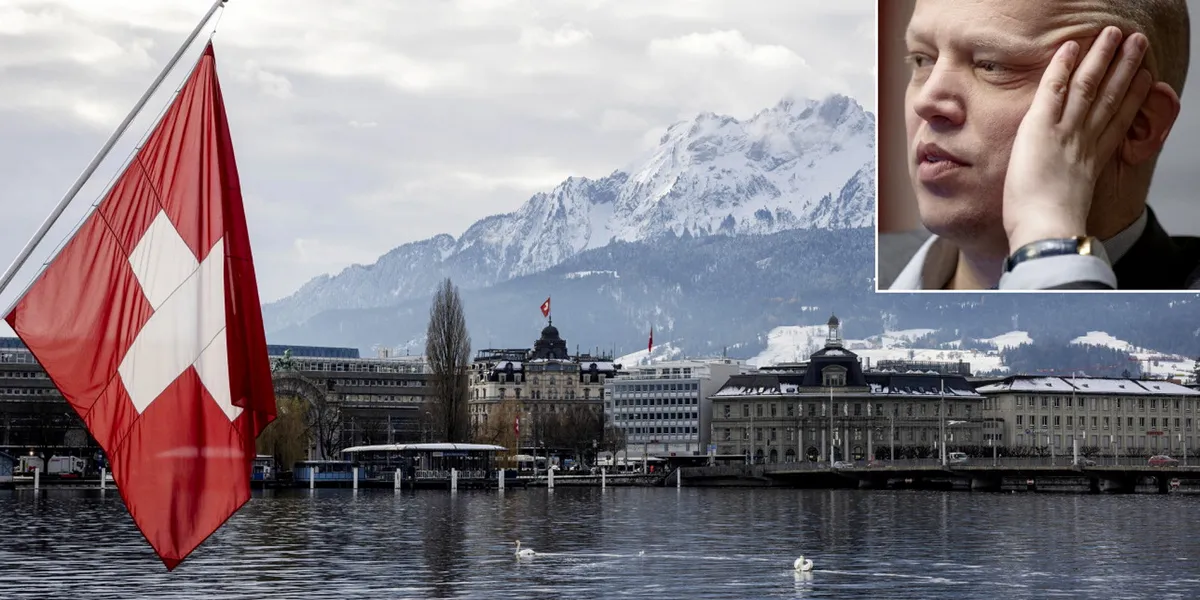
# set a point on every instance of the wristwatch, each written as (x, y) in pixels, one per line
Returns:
(1082, 245)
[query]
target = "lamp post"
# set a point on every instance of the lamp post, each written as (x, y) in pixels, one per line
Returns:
(942, 423)
(832, 443)
(892, 436)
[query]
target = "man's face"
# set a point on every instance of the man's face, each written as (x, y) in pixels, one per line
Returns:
(975, 67)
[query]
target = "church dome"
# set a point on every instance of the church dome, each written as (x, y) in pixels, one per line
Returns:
(833, 321)
(550, 333)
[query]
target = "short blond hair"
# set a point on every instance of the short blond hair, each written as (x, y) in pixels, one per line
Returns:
(1167, 24)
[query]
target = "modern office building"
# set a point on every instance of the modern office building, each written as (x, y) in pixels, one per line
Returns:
(663, 409)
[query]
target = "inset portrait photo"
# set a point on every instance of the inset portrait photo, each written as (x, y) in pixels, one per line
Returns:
(1030, 145)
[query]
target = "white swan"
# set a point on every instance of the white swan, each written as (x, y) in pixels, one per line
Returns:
(526, 553)
(802, 565)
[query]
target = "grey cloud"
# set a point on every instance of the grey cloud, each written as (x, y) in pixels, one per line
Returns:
(322, 193)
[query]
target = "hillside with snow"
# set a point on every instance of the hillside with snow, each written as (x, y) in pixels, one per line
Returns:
(795, 343)
(798, 165)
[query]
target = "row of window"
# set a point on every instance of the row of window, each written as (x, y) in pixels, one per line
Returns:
(28, 392)
(627, 388)
(693, 401)
(846, 408)
(1141, 422)
(663, 430)
(381, 382)
(904, 434)
(1177, 404)
(1156, 442)
(674, 416)
(23, 375)
(550, 394)
(360, 367)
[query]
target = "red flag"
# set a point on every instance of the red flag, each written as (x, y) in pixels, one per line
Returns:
(650, 345)
(149, 324)
(546, 308)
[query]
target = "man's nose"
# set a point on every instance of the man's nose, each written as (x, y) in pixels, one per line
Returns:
(939, 99)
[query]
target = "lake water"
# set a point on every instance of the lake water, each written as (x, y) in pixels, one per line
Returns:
(698, 543)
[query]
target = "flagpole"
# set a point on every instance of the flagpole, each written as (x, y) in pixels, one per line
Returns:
(100, 156)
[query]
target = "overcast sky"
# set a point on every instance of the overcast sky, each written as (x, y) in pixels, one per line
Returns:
(360, 125)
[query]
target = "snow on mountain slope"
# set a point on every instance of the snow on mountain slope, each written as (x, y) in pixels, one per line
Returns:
(796, 343)
(799, 164)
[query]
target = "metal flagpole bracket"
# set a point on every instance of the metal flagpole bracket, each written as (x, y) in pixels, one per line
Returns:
(96, 160)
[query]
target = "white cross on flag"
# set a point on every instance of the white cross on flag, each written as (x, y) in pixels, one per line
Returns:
(148, 322)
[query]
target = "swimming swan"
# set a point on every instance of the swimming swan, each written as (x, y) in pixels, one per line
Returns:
(526, 553)
(802, 565)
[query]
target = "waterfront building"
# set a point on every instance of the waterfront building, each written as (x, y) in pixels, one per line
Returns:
(664, 409)
(559, 397)
(830, 409)
(33, 415)
(1107, 416)
(374, 400)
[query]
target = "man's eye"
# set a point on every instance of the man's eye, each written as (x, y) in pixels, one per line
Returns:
(918, 61)
(990, 67)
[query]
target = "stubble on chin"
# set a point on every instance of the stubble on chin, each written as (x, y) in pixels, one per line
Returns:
(973, 223)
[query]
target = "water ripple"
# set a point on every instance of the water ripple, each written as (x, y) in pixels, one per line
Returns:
(697, 543)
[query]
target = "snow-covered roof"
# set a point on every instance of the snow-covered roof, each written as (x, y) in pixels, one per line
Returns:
(737, 390)
(1088, 385)
(434, 447)
(502, 366)
(924, 391)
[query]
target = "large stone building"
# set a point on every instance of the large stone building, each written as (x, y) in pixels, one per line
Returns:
(1125, 417)
(549, 389)
(830, 409)
(664, 409)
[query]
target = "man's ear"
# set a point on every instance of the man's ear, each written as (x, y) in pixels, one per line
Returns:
(1152, 124)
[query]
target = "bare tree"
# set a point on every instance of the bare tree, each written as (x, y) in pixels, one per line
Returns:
(448, 350)
(325, 420)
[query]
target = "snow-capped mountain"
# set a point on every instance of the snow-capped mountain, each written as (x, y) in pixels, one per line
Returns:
(798, 165)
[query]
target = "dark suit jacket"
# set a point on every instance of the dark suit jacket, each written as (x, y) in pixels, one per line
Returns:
(1156, 261)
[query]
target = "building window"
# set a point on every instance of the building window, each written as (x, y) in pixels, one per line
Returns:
(758, 409)
(833, 376)
(726, 410)
(774, 408)
(791, 409)
(746, 410)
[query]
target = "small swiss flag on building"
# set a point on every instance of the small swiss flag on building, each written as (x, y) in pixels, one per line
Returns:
(546, 308)
(148, 323)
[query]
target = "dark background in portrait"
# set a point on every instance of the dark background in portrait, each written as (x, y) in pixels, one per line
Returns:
(1174, 195)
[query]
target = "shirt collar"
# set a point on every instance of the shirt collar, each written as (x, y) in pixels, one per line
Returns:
(935, 261)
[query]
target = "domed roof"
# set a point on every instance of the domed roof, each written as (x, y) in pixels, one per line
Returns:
(833, 321)
(550, 333)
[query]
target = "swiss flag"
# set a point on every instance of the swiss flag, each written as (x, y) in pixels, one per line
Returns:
(546, 308)
(149, 324)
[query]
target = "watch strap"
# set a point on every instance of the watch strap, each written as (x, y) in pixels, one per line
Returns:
(1081, 245)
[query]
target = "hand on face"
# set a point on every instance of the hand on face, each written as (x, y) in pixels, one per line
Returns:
(1074, 127)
